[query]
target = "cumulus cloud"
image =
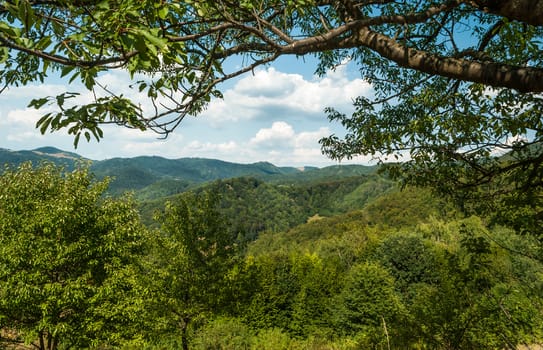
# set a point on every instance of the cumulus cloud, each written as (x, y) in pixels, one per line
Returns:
(273, 94)
(282, 145)
(211, 148)
(268, 84)
(29, 92)
(310, 138)
(280, 134)
(279, 144)
(24, 136)
(18, 126)
(21, 118)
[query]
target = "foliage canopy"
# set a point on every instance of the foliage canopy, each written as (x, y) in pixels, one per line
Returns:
(78, 271)
(67, 260)
(181, 47)
(190, 261)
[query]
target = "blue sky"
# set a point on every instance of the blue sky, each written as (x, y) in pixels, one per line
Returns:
(274, 114)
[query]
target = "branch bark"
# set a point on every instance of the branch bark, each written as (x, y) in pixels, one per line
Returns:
(523, 79)
(527, 11)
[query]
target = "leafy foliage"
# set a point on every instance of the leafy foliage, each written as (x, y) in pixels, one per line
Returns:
(68, 258)
(369, 305)
(441, 285)
(254, 205)
(176, 54)
(190, 262)
(79, 271)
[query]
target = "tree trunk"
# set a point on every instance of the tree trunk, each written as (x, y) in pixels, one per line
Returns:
(47, 341)
(184, 336)
(42, 342)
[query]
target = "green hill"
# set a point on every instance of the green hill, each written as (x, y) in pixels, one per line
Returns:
(50, 154)
(158, 177)
(139, 172)
(392, 209)
(259, 196)
(254, 205)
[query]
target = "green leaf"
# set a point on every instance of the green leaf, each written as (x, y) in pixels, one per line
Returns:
(4, 54)
(153, 39)
(76, 139)
(9, 30)
(163, 12)
(66, 249)
(37, 103)
(66, 70)
(44, 123)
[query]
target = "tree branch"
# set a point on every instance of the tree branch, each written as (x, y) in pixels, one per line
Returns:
(527, 11)
(66, 61)
(523, 79)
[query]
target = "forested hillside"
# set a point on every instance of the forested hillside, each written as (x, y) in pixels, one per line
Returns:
(139, 172)
(156, 177)
(257, 196)
(255, 205)
(38, 155)
(342, 259)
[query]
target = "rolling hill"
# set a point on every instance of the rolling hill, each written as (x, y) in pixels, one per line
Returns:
(154, 177)
(49, 154)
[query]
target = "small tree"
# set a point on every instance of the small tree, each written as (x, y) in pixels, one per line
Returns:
(192, 256)
(478, 301)
(67, 256)
(369, 306)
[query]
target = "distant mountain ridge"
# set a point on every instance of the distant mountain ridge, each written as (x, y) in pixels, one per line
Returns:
(170, 176)
(37, 155)
(57, 153)
(139, 172)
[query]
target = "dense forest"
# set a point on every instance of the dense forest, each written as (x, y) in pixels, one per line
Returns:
(327, 260)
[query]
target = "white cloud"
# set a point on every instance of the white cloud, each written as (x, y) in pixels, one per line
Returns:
(310, 138)
(21, 118)
(272, 94)
(279, 144)
(24, 136)
(282, 145)
(268, 84)
(209, 147)
(280, 134)
(29, 92)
